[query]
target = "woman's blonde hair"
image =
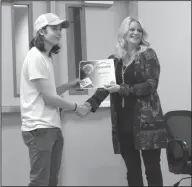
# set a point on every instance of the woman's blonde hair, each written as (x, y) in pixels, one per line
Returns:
(120, 50)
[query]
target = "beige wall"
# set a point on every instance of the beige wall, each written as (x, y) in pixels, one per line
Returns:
(7, 55)
(88, 157)
(7, 60)
(168, 24)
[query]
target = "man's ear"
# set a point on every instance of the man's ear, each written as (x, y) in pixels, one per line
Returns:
(41, 32)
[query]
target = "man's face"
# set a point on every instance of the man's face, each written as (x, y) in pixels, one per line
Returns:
(52, 34)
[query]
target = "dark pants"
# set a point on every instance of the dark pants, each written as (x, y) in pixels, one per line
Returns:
(45, 153)
(151, 159)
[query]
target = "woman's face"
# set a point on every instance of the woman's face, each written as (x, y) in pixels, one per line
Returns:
(135, 33)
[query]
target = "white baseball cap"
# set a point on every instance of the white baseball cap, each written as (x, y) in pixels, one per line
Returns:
(49, 19)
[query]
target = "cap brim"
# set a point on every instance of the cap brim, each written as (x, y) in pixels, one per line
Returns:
(64, 23)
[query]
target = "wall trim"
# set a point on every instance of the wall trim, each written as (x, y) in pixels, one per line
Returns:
(70, 47)
(1, 88)
(133, 9)
(10, 109)
(16, 109)
(105, 104)
(52, 7)
(101, 4)
(30, 34)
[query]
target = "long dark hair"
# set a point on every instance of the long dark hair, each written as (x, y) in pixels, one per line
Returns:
(38, 42)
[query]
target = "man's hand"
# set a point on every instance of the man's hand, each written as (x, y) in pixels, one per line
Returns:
(74, 83)
(111, 88)
(71, 84)
(83, 110)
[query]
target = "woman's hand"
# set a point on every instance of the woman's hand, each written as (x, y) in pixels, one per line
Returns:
(111, 88)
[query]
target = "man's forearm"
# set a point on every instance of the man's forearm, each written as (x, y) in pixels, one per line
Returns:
(63, 88)
(57, 101)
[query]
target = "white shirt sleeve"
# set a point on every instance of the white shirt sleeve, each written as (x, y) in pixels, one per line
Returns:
(37, 68)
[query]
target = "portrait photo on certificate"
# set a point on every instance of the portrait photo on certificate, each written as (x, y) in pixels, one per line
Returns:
(96, 73)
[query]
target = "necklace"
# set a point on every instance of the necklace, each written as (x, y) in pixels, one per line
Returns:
(124, 68)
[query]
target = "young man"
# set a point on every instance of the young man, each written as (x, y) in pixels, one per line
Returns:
(40, 102)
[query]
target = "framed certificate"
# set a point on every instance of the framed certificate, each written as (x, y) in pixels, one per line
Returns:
(96, 73)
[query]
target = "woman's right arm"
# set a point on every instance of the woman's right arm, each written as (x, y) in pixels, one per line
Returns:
(97, 98)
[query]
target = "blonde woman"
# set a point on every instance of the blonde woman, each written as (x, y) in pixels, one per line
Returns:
(137, 118)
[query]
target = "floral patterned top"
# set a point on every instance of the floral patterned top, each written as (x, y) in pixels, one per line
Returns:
(147, 108)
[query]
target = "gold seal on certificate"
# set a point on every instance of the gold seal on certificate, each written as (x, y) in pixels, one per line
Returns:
(96, 73)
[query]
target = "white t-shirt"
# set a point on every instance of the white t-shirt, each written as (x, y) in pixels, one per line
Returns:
(34, 113)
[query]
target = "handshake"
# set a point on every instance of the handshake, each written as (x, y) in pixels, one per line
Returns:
(83, 110)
